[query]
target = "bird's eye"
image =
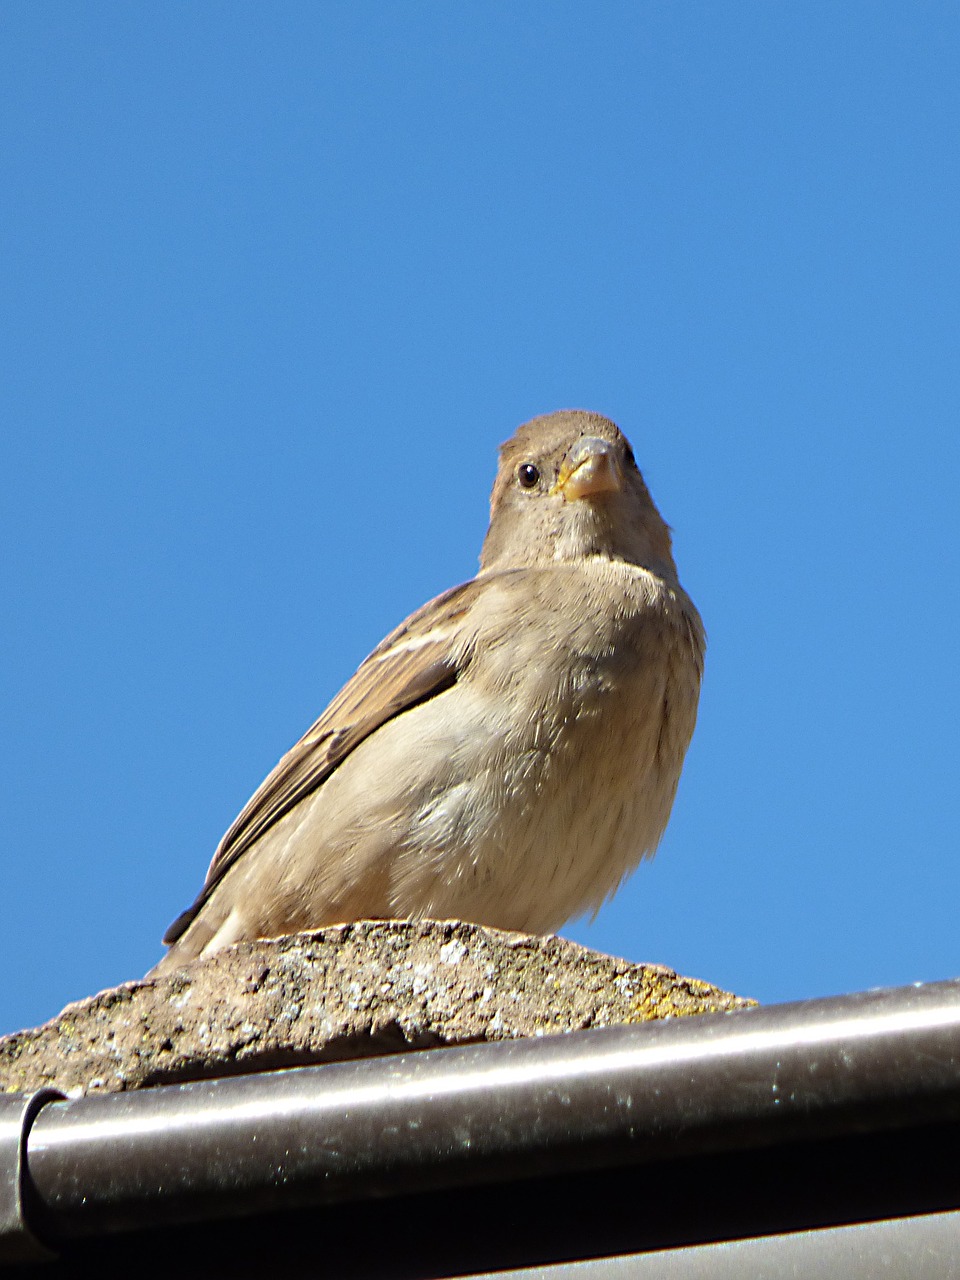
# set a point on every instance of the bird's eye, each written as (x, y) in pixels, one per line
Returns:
(528, 475)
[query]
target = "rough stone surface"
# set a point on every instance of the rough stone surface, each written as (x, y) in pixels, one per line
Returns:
(348, 991)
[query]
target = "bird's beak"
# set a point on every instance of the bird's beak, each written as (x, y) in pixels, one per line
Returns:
(588, 469)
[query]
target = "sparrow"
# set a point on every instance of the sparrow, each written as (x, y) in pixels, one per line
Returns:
(507, 755)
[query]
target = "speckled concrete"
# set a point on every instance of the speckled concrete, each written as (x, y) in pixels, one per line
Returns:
(350, 990)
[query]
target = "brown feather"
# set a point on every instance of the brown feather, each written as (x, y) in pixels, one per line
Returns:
(417, 661)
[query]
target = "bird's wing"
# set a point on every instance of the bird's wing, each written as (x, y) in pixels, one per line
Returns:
(424, 656)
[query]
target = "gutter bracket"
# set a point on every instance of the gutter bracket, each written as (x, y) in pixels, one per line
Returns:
(17, 1114)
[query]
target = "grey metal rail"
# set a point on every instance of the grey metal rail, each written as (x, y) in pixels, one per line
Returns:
(418, 1121)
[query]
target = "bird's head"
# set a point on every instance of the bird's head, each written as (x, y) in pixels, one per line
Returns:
(568, 487)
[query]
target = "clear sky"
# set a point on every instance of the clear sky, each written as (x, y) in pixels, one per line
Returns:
(275, 281)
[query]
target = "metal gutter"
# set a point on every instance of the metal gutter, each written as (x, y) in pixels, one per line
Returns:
(482, 1113)
(17, 1114)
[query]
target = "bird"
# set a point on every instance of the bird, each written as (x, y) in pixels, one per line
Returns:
(510, 753)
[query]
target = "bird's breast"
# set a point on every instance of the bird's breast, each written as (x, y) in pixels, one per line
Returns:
(566, 762)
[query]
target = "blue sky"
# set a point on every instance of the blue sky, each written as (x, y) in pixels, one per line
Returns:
(277, 280)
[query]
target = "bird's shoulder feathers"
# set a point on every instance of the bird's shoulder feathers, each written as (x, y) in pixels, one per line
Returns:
(421, 658)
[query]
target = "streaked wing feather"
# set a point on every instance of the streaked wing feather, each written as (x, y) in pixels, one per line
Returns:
(424, 656)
